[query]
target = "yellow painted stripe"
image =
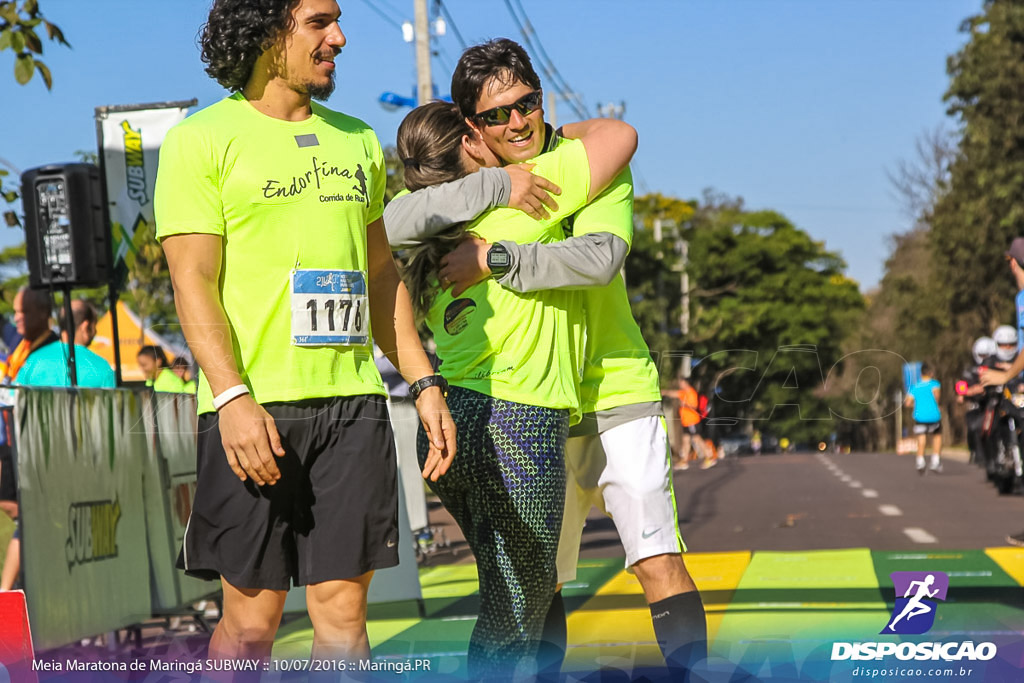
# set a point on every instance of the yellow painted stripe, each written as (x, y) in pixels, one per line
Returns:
(615, 624)
(449, 581)
(1010, 560)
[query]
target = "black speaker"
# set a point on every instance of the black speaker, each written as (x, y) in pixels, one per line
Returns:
(66, 237)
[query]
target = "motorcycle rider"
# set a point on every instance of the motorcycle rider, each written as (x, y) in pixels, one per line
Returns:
(970, 391)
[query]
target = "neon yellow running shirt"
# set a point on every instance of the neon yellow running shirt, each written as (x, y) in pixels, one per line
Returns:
(618, 369)
(517, 347)
(284, 196)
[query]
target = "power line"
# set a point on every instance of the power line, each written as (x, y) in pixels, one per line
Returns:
(641, 182)
(451, 22)
(547, 66)
(445, 58)
(540, 46)
(381, 14)
(525, 30)
(394, 10)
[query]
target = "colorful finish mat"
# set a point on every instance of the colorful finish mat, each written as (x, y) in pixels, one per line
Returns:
(772, 615)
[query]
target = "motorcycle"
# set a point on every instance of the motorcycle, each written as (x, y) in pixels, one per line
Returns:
(1001, 427)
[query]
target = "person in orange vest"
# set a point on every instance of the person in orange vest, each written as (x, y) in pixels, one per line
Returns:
(690, 415)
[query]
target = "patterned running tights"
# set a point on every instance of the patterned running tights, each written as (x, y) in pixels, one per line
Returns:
(506, 490)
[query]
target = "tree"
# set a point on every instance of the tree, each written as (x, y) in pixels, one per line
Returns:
(395, 171)
(652, 275)
(18, 32)
(769, 310)
(19, 24)
(973, 223)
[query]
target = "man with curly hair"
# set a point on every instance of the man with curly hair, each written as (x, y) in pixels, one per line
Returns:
(269, 210)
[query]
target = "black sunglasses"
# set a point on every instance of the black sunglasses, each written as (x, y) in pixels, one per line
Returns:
(498, 116)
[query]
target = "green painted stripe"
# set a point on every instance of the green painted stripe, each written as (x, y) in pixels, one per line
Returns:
(834, 579)
(977, 620)
(974, 577)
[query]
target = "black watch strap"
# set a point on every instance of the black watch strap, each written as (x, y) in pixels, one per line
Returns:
(429, 381)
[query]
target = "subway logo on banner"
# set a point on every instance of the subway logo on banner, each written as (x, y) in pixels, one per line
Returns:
(134, 163)
(92, 533)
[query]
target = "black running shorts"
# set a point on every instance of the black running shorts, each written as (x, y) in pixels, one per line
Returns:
(8, 485)
(332, 515)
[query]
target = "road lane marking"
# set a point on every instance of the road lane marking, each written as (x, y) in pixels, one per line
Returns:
(855, 484)
(869, 493)
(918, 535)
(890, 510)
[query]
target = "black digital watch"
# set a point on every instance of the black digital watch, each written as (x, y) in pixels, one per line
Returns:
(498, 260)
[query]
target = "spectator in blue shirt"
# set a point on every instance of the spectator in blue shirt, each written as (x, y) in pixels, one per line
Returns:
(48, 367)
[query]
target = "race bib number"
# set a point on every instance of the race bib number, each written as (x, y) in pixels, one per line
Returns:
(329, 307)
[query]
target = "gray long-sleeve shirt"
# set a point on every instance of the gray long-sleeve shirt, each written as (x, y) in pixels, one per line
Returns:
(586, 261)
(590, 260)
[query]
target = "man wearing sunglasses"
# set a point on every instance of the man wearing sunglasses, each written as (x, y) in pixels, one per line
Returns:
(498, 91)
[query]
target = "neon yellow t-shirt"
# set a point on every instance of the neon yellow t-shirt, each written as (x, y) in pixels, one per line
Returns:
(525, 348)
(618, 369)
(166, 381)
(284, 196)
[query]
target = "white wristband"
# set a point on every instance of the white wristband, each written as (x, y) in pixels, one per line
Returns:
(228, 395)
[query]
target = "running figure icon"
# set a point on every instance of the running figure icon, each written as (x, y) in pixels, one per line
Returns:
(915, 606)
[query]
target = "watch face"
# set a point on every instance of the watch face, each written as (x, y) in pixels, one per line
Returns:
(498, 259)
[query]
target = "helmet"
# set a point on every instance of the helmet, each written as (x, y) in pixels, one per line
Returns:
(1006, 337)
(983, 348)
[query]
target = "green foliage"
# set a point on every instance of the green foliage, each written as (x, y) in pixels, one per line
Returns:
(946, 282)
(973, 223)
(19, 24)
(148, 288)
(769, 308)
(13, 275)
(396, 173)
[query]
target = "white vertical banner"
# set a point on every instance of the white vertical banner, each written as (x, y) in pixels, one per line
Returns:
(129, 138)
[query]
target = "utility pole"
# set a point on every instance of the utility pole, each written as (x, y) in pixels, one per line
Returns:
(684, 286)
(424, 83)
(611, 110)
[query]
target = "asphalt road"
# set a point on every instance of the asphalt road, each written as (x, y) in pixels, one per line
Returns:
(812, 501)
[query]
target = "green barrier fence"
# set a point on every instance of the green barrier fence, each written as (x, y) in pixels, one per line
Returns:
(83, 521)
(170, 484)
(106, 480)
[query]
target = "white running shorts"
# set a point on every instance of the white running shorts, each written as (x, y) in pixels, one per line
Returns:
(626, 472)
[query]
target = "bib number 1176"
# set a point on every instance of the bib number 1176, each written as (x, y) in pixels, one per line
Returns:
(329, 307)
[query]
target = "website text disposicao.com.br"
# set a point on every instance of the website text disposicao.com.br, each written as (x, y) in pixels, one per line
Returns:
(884, 672)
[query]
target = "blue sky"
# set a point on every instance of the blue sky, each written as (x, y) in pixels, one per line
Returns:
(796, 105)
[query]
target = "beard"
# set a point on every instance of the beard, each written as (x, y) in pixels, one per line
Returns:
(321, 91)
